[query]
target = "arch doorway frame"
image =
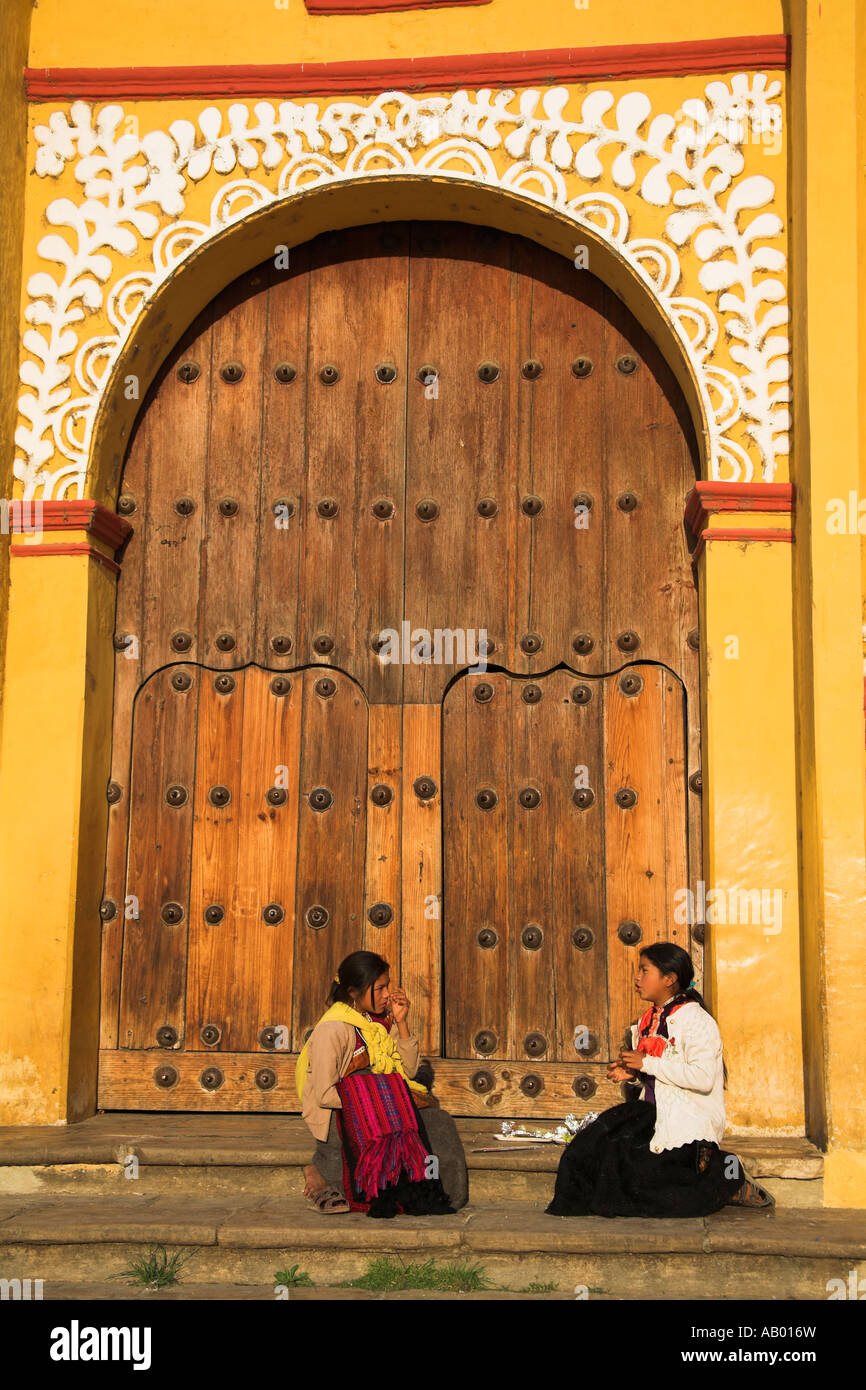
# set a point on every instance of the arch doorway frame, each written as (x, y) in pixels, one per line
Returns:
(87, 534)
(290, 222)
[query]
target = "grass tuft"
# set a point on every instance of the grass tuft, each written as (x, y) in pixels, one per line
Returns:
(385, 1274)
(294, 1278)
(156, 1270)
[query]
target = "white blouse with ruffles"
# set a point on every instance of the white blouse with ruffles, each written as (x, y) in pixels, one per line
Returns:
(689, 1081)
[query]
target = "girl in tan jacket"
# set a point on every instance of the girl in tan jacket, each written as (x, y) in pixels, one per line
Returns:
(383, 1144)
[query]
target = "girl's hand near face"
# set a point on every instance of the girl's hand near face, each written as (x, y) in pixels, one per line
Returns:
(632, 1060)
(398, 1005)
(617, 1073)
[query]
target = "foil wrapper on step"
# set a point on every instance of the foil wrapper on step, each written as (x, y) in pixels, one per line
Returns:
(562, 1134)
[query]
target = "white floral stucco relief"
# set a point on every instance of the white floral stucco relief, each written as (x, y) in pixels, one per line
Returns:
(691, 163)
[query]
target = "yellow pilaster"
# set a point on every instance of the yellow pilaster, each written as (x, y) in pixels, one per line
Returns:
(53, 816)
(749, 805)
(826, 43)
(13, 177)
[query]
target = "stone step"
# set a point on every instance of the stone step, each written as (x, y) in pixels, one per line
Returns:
(488, 1184)
(212, 1293)
(214, 1180)
(263, 1156)
(243, 1242)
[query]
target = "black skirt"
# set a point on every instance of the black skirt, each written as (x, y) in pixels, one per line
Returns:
(609, 1170)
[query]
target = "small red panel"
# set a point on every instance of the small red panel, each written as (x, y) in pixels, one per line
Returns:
(382, 6)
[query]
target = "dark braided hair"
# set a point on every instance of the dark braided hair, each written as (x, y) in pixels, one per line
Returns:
(358, 971)
(673, 960)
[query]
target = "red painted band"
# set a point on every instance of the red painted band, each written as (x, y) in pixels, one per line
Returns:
(710, 496)
(416, 74)
(70, 548)
(383, 6)
(80, 514)
(746, 533)
(741, 533)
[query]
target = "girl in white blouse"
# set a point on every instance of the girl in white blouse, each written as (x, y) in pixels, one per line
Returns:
(660, 1155)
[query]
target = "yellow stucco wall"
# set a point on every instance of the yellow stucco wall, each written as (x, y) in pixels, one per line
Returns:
(157, 32)
(13, 154)
(860, 52)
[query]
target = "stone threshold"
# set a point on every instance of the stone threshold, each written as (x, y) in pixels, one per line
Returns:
(80, 1291)
(288, 1223)
(201, 1140)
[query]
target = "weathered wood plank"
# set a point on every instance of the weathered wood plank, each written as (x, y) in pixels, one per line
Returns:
(234, 449)
(532, 734)
(166, 460)
(650, 581)
(478, 871)
(262, 965)
(214, 946)
(126, 678)
(575, 853)
(127, 1083)
(384, 833)
(331, 841)
(562, 455)
(275, 611)
(675, 792)
(634, 836)
(153, 980)
(421, 932)
(353, 561)
(458, 434)
(165, 555)
(374, 311)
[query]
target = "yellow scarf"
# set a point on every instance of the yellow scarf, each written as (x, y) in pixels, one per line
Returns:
(381, 1047)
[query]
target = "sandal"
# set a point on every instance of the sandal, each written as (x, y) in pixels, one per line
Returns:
(328, 1201)
(751, 1194)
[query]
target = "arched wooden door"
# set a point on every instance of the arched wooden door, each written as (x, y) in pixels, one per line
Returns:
(350, 474)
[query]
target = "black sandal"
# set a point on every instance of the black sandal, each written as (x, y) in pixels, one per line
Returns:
(751, 1194)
